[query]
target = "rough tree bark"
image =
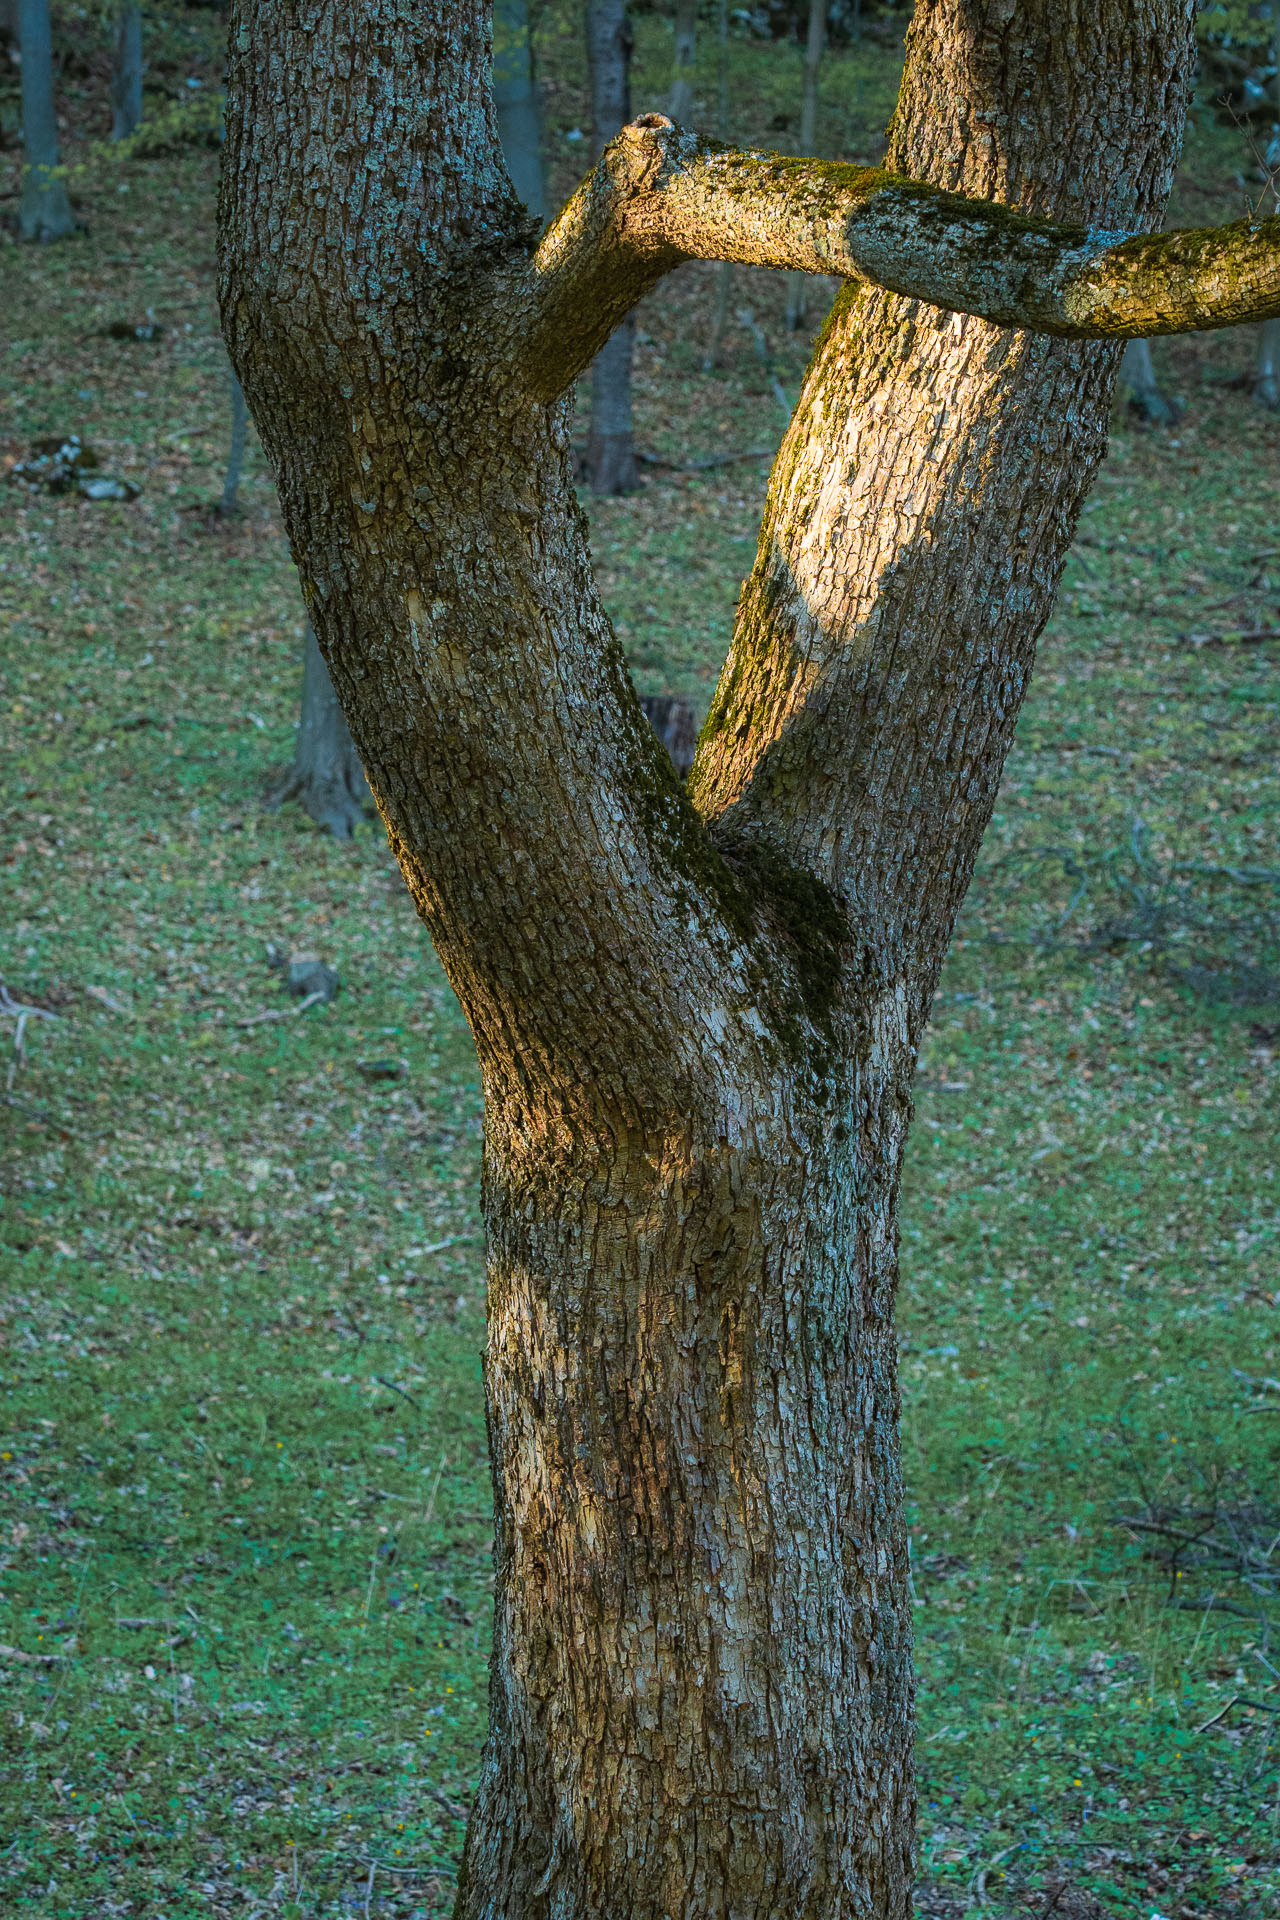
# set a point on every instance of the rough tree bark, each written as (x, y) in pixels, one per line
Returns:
(326, 778)
(697, 1011)
(611, 447)
(126, 73)
(44, 211)
(515, 99)
(797, 303)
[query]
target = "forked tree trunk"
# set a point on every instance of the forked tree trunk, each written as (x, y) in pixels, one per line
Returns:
(126, 73)
(326, 778)
(515, 99)
(696, 1012)
(611, 443)
(44, 211)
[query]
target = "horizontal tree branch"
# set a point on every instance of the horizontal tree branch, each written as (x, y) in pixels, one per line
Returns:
(660, 196)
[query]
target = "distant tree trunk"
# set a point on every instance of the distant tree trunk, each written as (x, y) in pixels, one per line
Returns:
(611, 449)
(798, 283)
(44, 212)
(126, 76)
(515, 97)
(724, 272)
(235, 454)
(1138, 377)
(686, 50)
(326, 778)
(1266, 387)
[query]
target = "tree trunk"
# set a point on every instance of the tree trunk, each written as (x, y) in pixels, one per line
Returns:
(515, 97)
(797, 283)
(44, 212)
(326, 778)
(1266, 384)
(724, 276)
(235, 457)
(126, 74)
(611, 447)
(696, 1013)
(685, 53)
(1138, 377)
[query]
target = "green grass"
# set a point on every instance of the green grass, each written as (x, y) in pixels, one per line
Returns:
(245, 1519)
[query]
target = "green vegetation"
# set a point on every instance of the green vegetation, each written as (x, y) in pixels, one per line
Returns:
(245, 1519)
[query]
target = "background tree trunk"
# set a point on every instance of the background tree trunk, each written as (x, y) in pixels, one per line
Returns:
(515, 97)
(696, 1015)
(1266, 368)
(44, 212)
(611, 448)
(685, 53)
(235, 454)
(126, 73)
(798, 283)
(326, 777)
(1138, 377)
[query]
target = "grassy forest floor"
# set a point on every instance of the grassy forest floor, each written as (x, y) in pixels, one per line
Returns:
(244, 1501)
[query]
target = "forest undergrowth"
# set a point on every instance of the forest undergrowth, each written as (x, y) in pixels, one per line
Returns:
(245, 1515)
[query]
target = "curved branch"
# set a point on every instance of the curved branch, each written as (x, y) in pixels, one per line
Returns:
(660, 196)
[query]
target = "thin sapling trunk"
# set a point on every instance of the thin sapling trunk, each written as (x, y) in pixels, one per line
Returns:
(797, 283)
(44, 211)
(516, 101)
(126, 73)
(611, 448)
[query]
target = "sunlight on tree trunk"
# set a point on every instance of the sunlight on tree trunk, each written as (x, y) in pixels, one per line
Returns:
(44, 212)
(797, 284)
(611, 450)
(697, 1010)
(126, 74)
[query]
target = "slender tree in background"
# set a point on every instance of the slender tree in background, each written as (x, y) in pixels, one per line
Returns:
(126, 72)
(797, 283)
(44, 211)
(724, 274)
(1138, 377)
(229, 500)
(611, 446)
(515, 99)
(697, 1010)
(326, 777)
(686, 52)
(1266, 366)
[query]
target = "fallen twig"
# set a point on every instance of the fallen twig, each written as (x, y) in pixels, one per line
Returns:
(30, 1659)
(1250, 637)
(281, 1013)
(704, 466)
(1220, 1715)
